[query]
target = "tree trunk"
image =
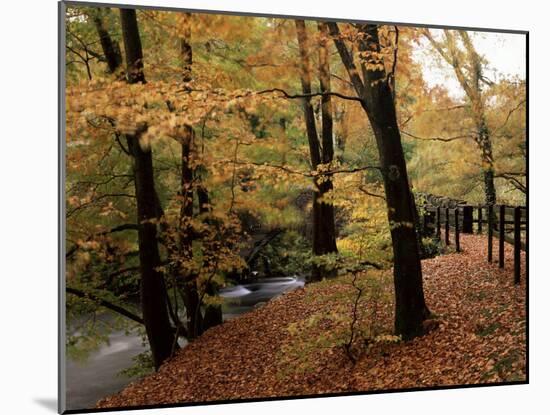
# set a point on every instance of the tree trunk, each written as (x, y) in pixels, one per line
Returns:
(470, 81)
(111, 50)
(305, 78)
(132, 46)
(191, 297)
(203, 198)
(152, 288)
(474, 92)
(375, 91)
(213, 315)
(324, 229)
(483, 141)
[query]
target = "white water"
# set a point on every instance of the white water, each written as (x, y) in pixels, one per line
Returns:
(89, 381)
(235, 292)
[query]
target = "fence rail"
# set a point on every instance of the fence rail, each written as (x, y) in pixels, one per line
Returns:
(506, 223)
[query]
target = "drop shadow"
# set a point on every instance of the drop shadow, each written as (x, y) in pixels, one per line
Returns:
(48, 403)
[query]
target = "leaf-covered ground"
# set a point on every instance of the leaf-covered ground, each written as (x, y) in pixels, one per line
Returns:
(294, 344)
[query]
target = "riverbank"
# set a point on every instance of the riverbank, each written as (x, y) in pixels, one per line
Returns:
(99, 374)
(293, 345)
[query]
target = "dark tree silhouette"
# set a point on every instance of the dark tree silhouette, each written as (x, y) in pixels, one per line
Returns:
(152, 288)
(373, 85)
(324, 229)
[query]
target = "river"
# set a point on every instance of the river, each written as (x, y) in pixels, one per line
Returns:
(96, 377)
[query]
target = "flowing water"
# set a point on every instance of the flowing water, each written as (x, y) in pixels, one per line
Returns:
(96, 377)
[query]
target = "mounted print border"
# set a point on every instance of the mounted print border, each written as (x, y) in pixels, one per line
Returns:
(259, 207)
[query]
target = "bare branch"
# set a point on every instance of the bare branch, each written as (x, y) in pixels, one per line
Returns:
(513, 180)
(313, 94)
(104, 303)
(517, 107)
(345, 81)
(444, 139)
(365, 191)
(352, 170)
(348, 346)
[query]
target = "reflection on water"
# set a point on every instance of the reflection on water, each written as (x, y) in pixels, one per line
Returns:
(89, 381)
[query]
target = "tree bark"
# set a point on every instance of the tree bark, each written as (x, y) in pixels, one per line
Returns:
(375, 91)
(111, 50)
(305, 79)
(132, 46)
(213, 315)
(483, 141)
(474, 92)
(152, 288)
(191, 298)
(324, 229)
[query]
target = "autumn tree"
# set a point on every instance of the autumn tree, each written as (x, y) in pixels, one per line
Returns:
(185, 138)
(321, 153)
(110, 47)
(372, 84)
(241, 132)
(153, 291)
(507, 119)
(467, 65)
(191, 183)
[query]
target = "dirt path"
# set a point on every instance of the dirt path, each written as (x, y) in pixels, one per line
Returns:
(290, 346)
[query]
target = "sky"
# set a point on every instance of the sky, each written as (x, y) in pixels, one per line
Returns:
(505, 53)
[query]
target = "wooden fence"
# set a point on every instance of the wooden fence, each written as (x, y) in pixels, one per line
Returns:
(506, 223)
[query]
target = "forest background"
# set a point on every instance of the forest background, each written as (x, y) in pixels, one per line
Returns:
(47, 150)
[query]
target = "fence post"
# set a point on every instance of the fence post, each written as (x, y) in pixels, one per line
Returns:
(490, 233)
(447, 241)
(501, 228)
(457, 231)
(517, 244)
(424, 221)
(479, 219)
(438, 223)
(526, 247)
(427, 230)
(467, 219)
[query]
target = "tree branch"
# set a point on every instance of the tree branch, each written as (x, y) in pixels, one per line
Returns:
(394, 63)
(302, 173)
(347, 59)
(518, 106)
(513, 181)
(104, 303)
(365, 191)
(77, 208)
(261, 244)
(444, 139)
(313, 94)
(120, 228)
(349, 344)
(273, 166)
